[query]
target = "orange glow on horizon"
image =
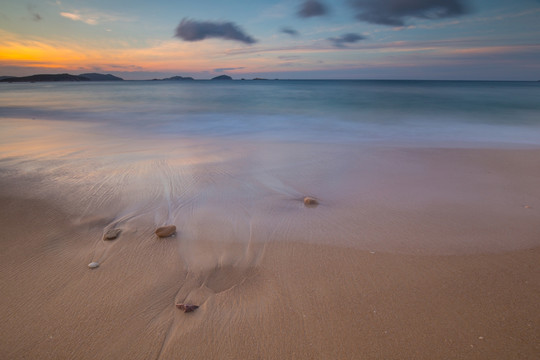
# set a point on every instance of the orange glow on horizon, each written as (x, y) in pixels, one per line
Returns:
(170, 55)
(40, 53)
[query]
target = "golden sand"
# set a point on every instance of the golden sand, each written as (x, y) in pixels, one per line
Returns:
(412, 254)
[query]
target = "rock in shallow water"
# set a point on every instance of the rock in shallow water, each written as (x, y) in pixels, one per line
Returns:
(165, 231)
(93, 265)
(187, 307)
(112, 234)
(309, 201)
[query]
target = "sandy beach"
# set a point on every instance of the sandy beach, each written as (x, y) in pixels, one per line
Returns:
(412, 253)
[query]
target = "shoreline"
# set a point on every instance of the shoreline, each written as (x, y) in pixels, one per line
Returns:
(419, 200)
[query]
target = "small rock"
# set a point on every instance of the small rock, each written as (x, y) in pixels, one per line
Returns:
(309, 201)
(187, 307)
(93, 265)
(165, 231)
(112, 234)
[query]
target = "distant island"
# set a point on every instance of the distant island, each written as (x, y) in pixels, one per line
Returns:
(60, 77)
(176, 78)
(222, 77)
(101, 77)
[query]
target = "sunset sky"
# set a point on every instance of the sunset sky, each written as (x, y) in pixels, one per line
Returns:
(288, 39)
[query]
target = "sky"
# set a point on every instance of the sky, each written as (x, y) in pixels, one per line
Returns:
(287, 39)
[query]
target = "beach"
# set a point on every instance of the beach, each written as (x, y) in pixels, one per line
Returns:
(423, 241)
(398, 263)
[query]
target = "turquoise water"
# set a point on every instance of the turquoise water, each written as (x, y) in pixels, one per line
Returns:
(327, 111)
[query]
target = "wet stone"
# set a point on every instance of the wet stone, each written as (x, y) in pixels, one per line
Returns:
(310, 202)
(165, 231)
(112, 234)
(187, 307)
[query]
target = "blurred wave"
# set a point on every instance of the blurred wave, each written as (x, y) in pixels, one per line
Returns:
(291, 110)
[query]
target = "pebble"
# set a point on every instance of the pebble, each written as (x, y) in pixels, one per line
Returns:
(112, 234)
(309, 201)
(187, 307)
(165, 231)
(93, 265)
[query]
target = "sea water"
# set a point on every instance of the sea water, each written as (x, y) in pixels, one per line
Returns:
(414, 112)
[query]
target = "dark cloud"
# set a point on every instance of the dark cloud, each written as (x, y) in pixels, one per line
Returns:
(192, 30)
(228, 69)
(289, 31)
(310, 8)
(394, 12)
(346, 39)
(32, 10)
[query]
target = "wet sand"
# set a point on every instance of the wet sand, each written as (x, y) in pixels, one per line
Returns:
(417, 253)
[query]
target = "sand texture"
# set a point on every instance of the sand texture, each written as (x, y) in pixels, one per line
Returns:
(411, 253)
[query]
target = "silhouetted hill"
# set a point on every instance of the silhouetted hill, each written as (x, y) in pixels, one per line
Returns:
(179, 78)
(61, 77)
(101, 77)
(46, 77)
(222, 77)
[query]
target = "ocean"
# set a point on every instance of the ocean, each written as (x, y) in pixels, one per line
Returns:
(467, 113)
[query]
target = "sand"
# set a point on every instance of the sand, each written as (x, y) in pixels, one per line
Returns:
(411, 253)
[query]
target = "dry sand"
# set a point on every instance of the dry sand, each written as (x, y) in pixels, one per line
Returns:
(411, 254)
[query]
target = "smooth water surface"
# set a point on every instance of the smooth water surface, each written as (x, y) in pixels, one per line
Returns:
(311, 110)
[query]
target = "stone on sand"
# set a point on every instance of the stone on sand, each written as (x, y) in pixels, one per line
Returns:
(165, 231)
(309, 201)
(187, 307)
(93, 265)
(112, 234)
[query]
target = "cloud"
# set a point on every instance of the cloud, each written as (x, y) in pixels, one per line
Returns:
(219, 70)
(32, 10)
(394, 12)
(92, 17)
(77, 17)
(346, 39)
(192, 30)
(289, 31)
(310, 8)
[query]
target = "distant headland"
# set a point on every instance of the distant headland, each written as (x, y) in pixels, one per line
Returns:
(61, 77)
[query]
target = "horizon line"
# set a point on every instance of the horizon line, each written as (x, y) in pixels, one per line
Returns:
(5, 78)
